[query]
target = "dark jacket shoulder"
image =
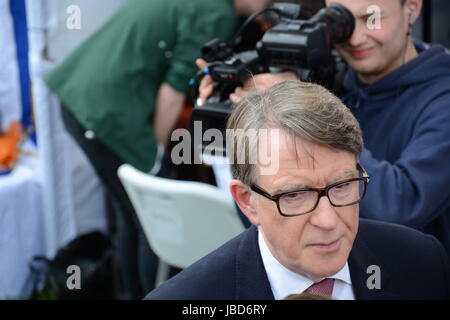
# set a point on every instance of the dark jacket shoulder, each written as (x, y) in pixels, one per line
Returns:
(221, 275)
(412, 265)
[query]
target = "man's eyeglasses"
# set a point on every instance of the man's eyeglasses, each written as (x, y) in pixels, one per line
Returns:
(341, 194)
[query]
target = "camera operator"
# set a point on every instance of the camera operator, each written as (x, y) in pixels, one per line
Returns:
(399, 90)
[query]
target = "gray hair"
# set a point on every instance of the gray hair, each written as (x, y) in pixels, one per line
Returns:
(304, 111)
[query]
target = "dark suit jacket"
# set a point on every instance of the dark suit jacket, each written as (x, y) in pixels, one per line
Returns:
(413, 266)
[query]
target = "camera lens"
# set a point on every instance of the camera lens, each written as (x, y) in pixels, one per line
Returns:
(339, 21)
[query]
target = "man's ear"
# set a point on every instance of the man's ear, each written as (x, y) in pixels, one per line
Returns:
(243, 197)
(414, 9)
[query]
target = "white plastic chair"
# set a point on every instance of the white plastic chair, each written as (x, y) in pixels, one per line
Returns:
(182, 220)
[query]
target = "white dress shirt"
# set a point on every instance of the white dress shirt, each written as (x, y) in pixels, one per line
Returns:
(285, 282)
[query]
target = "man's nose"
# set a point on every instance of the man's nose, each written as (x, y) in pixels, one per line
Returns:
(325, 215)
(359, 36)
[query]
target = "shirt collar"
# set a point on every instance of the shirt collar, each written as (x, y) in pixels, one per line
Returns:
(283, 281)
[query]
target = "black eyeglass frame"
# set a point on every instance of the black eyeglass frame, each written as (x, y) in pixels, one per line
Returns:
(321, 191)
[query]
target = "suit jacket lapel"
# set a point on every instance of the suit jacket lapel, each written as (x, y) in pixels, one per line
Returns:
(251, 278)
(361, 257)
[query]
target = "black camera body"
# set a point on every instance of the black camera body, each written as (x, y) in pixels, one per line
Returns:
(234, 70)
(302, 46)
(299, 46)
(306, 44)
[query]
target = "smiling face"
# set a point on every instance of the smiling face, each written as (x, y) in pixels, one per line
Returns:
(316, 244)
(372, 54)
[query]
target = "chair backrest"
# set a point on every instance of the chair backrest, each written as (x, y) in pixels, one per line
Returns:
(183, 220)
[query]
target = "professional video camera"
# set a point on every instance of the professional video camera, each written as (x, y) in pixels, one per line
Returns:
(302, 46)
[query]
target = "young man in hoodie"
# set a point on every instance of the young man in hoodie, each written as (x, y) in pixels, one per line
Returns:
(399, 90)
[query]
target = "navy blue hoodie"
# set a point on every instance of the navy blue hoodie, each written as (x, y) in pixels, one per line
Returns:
(405, 119)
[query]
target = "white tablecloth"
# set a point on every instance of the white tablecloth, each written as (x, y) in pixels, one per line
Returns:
(21, 226)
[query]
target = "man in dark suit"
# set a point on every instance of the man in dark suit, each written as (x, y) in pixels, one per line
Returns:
(301, 194)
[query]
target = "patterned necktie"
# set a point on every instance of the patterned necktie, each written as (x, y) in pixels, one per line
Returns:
(323, 288)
